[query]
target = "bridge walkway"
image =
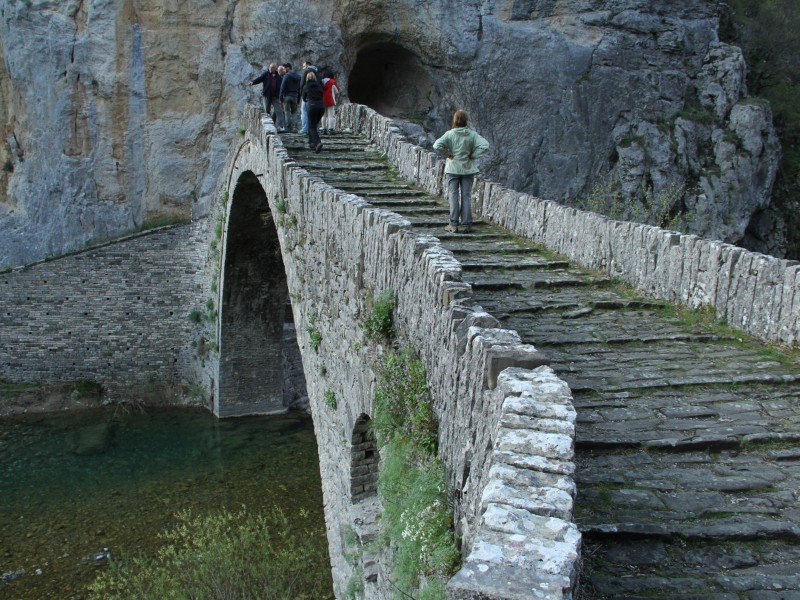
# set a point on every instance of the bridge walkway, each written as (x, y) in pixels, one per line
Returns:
(688, 433)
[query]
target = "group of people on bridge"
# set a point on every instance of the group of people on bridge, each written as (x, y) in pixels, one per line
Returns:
(313, 93)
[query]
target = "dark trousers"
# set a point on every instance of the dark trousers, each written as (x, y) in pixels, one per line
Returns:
(315, 112)
(273, 108)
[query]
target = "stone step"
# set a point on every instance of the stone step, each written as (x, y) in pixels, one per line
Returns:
(384, 196)
(512, 263)
(416, 211)
(379, 186)
(321, 165)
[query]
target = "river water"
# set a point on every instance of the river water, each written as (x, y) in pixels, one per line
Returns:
(75, 487)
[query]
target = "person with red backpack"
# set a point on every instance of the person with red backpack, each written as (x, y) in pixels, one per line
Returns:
(330, 98)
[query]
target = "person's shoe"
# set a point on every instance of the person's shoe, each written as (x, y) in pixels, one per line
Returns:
(467, 229)
(451, 228)
(302, 131)
(318, 148)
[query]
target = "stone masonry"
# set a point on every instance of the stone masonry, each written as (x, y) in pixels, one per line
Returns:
(117, 313)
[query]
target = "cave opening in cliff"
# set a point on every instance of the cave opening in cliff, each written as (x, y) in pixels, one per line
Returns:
(392, 80)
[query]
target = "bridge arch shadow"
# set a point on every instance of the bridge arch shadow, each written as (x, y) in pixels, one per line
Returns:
(253, 307)
(392, 80)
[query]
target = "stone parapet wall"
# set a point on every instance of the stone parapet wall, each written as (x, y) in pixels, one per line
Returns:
(115, 314)
(754, 292)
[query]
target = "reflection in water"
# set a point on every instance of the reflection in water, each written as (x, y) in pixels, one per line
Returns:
(77, 486)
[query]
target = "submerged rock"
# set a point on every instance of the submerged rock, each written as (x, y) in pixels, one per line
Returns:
(12, 575)
(92, 439)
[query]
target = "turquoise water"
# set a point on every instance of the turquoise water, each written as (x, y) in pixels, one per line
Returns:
(75, 487)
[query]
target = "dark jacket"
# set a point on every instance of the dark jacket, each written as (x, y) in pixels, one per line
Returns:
(312, 94)
(303, 79)
(271, 83)
(290, 87)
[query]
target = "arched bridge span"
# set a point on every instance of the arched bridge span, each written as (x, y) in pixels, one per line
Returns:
(507, 436)
(337, 253)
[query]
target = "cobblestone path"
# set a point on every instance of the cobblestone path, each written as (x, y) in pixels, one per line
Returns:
(688, 436)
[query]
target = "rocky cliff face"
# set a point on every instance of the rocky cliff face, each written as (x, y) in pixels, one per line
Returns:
(117, 113)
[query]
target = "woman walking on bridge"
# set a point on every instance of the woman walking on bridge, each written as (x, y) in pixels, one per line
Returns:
(312, 95)
(462, 146)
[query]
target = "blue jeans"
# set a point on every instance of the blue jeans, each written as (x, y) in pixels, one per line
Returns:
(303, 116)
(459, 192)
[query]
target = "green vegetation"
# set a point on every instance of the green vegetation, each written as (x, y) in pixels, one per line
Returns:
(208, 316)
(418, 518)
(314, 336)
(402, 403)
(330, 399)
(354, 555)
(695, 112)
(17, 384)
(220, 227)
(769, 33)
(418, 116)
(379, 324)
(225, 556)
(644, 206)
(88, 387)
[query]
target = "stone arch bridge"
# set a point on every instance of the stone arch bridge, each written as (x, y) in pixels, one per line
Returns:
(600, 443)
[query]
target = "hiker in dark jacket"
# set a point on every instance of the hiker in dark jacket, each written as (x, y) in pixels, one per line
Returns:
(290, 96)
(270, 81)
(312, 96)
(307, 66)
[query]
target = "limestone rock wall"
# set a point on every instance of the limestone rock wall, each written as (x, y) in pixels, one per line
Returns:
(115, 113)
(120, 112)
